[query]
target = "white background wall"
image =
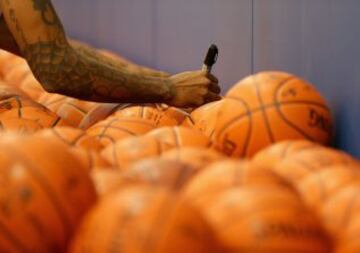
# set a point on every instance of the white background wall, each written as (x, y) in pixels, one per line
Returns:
(316, 39)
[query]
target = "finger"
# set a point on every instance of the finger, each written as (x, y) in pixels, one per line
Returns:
(211, 96)
(212, 78)
(215, 88)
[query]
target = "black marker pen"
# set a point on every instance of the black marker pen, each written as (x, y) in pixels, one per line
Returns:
(211, 58)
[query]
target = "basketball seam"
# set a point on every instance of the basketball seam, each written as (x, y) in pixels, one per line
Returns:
(263, 110)
(60, 137)
(248, 136)
(76, 107)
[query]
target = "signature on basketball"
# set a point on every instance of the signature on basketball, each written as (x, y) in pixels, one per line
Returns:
(319, 121)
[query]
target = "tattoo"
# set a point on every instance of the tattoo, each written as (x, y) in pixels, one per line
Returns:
(48, 13)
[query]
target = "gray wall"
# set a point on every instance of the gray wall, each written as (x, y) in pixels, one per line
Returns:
(316, 39)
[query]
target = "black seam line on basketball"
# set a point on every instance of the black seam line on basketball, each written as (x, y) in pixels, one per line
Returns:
(263, 110)
(2, 126)
(36, 226)
(349, 210)
(112, 140)
(231, 122)
(175, 130)
(104, 128)
(56, 133)
(191, 119)
(76, 107)
(53, 102)
(73, 142)
(18, 101)
(48, 190)
(122, 130)
(293, 126)
(56, 121)
(12, 239)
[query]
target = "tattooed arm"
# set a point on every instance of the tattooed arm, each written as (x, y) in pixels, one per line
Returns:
(62, 68)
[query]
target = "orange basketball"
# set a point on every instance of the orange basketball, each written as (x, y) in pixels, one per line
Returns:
(339, 210)
(131, 149)
(160, 114)
(198, 158)
(318, 187)
(228, 174)
(305, 163)
(143, 219)
(204, 118)
(44, 193)
(279, 151)
(175, 137)
(269, 107)
(113, 129)
(264, 219)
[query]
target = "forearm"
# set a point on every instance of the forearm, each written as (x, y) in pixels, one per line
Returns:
(71, 73)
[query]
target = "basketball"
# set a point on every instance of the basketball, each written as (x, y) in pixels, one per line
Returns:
(279, 151)
(318, 187)
(228, 174)
(113, 129)
(132, 220)
(176, 137)
(270, 107)
(131, 149)
(264, 219)
(198, 158)
(298, 166)
(160, 114)
(45, 192)
(204, 118)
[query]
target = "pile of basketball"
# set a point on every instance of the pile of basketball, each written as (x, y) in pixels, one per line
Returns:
(249, 173)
